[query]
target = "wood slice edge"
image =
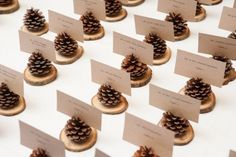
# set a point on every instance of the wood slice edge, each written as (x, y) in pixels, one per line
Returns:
(132, 3)
(144, 81)
(163, 59)
(96, 36)
(10, 8)
(122, 15)
(185, 35)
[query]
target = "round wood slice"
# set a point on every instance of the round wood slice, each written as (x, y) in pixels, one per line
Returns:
(183, 140)
(207, 105)
(39, 81)
(142, 82)
(75, 147)
(121, 107)
(43, 31)
(183, 36)
(96, 36)
(16, 110)
(201, 16)
(164, 58)
(119, 17)
(133, 2)
(213, 2)
(10, 8)
(230, 77)
(70, 59)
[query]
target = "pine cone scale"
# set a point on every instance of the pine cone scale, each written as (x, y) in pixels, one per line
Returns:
(8, 99)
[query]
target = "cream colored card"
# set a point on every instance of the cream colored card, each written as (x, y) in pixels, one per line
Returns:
(34, 138)
(59, 23)
(142, 133)
(215, 45)
(192, 65)
(30, 43)
(118, 79)
(179, 105)
(125, 45)
(146, 25)
(187, 8)
(13, 79)
(95, 6)
(74, 107)
(228, 19)
(234, 4)
(209, 2)
(232, 153)
(99, 153)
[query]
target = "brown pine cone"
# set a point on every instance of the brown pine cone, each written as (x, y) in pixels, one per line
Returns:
(197, 89)
(77, 130)
(108, 96)
(91, 24)
(228, 62)
(65, 44)
(232, 35)
(180, 24)
(5, 2)
(113, 7)
(38, 65)
(176, 124)
(159, 44)
(39, 152)
(199, 8)
(34, 20)
(8, 99)
(144, 151)
(134, 66)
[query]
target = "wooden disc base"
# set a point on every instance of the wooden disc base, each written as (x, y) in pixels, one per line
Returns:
(75, 147)
(96, 36)
(119, 17)
(121, 107)
(185, 35)
(39, 81)
(10, 8)
(201, 16)
(183, 140)
(230, 77)
(43, 31)
(206, 106)
(213, 2)
(16, 110)
(142, 82)
(133, 2)
(70, 59)
(164, 58)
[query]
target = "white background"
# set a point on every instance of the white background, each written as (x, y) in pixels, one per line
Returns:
(215, 133)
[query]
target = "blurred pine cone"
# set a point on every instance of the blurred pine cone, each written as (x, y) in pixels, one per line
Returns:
(5, 2)
(159, 45)
(34, 20)
(91, 24)
(77, 130)
(8, 99)
(113, 7)
(39, 152)
(144, 151)
(232, 35)
(228, 62)
(65, 44)
(199, 8)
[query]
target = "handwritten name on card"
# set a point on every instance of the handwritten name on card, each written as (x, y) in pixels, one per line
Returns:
(99, 153)
(228, 19)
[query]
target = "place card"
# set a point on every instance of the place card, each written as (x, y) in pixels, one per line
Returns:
(232, 153)
(125, 45)
(179, 105)
(118, 79)
(234, 4)
(228, 19)
(146, 25)
(30, 43)
(34, 138)
(215, 45)
(99, 153)
(73, 107)
(192, 65)
(59, 23)
(142, 133)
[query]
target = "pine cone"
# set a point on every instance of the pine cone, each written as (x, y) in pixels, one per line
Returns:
(5, 2)
(199, 8)
(77, 130)
(39, 152)
(34, 20)
(232, 35)
(180, 24)
(158, 44)
(113, 7)
(8, 99)
(176, 124)
(132, 65)
(91, 25)
(197, 89)
(65, 44)
(38, 65)
(108, 96)
(144, 151)
(228, 62)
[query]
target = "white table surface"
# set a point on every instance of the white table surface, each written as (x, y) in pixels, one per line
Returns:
(215, 134)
